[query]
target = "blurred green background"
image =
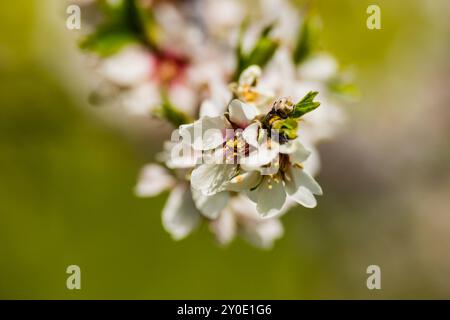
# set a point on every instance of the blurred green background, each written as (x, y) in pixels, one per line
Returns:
(67, 175)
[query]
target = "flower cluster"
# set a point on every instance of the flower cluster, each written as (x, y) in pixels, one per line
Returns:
(238, 81)
(239, 169)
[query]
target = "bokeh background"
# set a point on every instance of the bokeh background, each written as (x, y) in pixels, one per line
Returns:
(67, 175)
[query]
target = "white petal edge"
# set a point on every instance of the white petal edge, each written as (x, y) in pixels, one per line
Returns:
(243, 181)
(180, 217)
(271, 198)
(206, 133)
(250, 134)
(212, 178)
(240, 113)
(297, 151)
(250, 75)
(262, 234)
(301, 187)
(153, 180)
(225, 227)
(210, 206)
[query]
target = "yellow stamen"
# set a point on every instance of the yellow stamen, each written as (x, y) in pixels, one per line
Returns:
(298, 165)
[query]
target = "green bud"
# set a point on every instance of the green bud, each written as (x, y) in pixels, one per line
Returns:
(283, 107)
(286, 127)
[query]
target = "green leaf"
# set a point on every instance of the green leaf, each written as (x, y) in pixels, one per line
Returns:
(266, 31)
(262, 52)
(344, 88)
(307, 104)
(307, 39)
(240, 56)
(150, 29)
(106, 43)
(124, 22)
(141, 21)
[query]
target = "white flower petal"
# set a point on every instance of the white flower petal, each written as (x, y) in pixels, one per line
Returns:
(206, 133)
(303, 196)
(312, 164)
(224, 227)
(244, 207)
(258, 231)
(252, 195)
(184, 97)
(258, 158)
(180, 216)
(180, 155)
(263, 101)
(271, 197)
(320, 67)
(297, 151)
(212, 178)
(210, 206)
(129, 67)
(323, 123)
(301, 187)
(262, 234)
(223, 16)
(250, 76)
(209, 109)
(142, 99)
(308, 181)
(153, 180)
(250, 134)
(244, 181)
(240, 113)
(220, 95)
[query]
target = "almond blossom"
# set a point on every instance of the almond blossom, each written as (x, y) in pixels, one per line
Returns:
(238, 80)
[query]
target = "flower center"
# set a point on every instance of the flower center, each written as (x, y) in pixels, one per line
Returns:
(248, 94)
(170, 67)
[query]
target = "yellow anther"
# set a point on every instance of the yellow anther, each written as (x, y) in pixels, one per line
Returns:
(240, 144)
(298, 165)
(248, 94)
(230, 143)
